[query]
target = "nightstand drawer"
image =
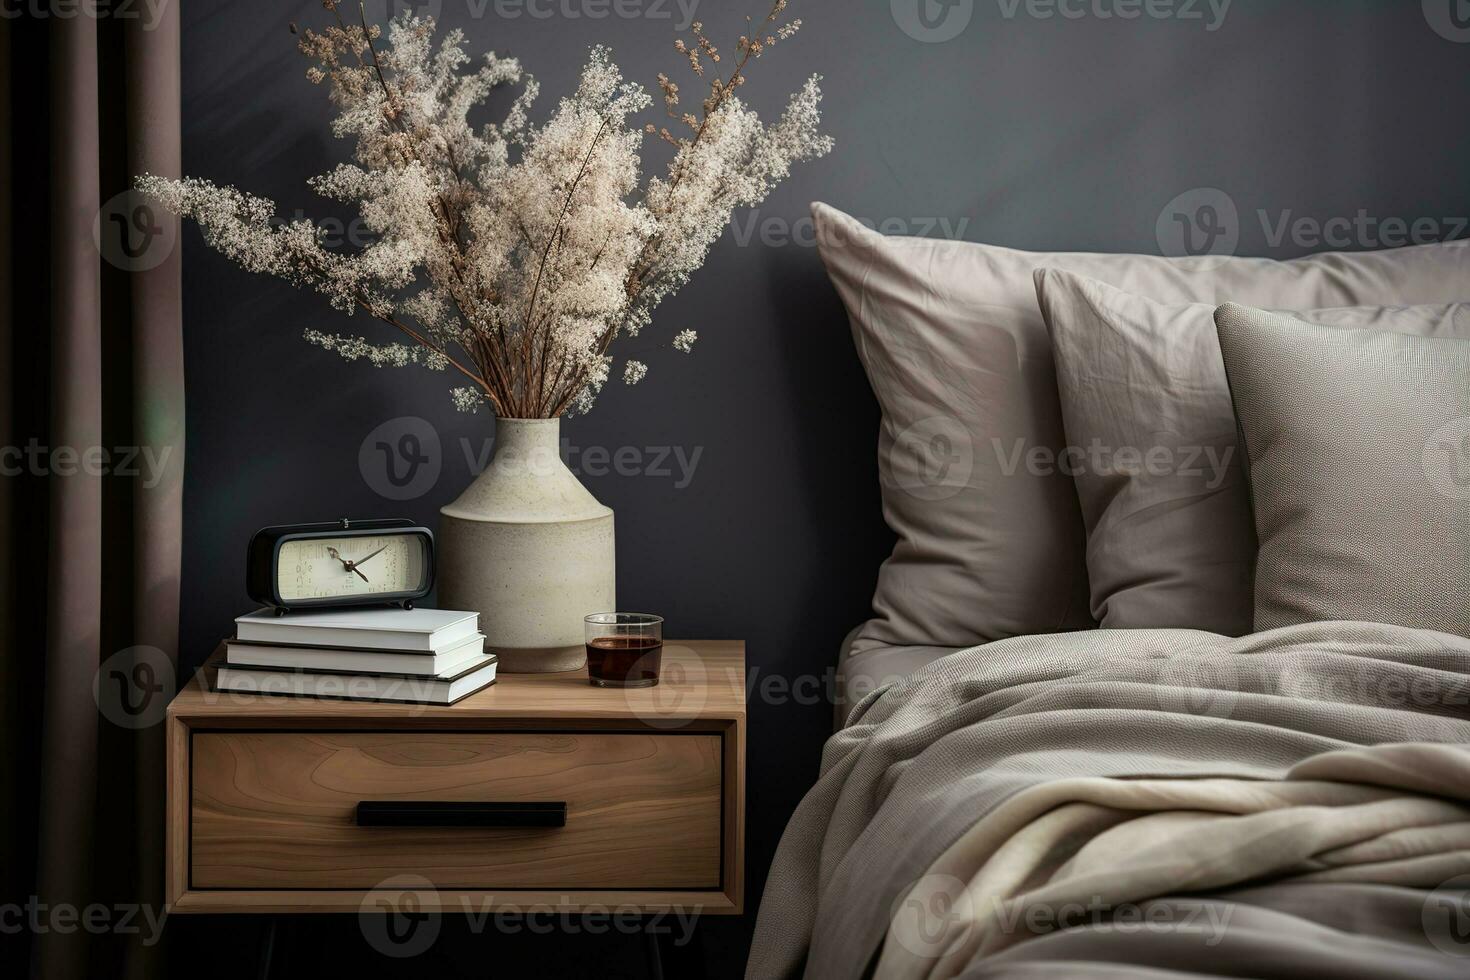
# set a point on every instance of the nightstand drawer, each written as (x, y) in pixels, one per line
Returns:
(279, 810)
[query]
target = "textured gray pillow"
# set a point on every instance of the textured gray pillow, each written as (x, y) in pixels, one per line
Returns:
(990, 538)
(1358, 457)
(1155, 454)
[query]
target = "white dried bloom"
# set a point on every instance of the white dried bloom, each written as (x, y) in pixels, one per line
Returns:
(587, 394)
(467, 399)
(379, 355)
(736, 164)
(515, 254)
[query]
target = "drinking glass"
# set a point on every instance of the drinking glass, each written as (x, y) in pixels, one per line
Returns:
(624, 649)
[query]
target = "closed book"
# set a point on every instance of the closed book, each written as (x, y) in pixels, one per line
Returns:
(360, 687)
(418, 663)
(390, 629)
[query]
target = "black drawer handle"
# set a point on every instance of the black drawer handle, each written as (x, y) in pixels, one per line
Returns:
(424, 813)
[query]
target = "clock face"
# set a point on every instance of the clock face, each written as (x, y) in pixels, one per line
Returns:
(360, 565)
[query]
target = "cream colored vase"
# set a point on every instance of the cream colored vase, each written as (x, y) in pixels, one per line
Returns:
(530, 549)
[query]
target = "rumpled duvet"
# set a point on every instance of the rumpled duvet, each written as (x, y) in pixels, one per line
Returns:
(1141, 803)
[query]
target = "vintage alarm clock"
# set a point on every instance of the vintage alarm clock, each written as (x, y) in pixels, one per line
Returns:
(346, 563)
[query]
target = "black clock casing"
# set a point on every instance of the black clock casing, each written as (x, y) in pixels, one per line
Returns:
(261, 562)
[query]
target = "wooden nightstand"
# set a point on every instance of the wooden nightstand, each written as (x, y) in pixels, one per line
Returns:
(263, 795)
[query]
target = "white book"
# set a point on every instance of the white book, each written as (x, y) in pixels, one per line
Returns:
(279, 656)
(388, 628)
(359, 687)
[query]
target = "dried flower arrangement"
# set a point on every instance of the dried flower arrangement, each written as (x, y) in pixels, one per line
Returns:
(514, 254)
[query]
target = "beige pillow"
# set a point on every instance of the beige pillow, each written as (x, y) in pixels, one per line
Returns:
(990, 538)
(1358, 447)
(1155, 455)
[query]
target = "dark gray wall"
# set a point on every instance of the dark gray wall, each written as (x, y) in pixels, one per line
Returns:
(1024, 130)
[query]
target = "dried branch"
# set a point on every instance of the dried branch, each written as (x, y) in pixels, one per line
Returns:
(519, 272)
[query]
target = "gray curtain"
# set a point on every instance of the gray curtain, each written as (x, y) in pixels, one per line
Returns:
(91, 370)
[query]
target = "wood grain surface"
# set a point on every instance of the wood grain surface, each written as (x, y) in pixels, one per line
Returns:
(700, 679)
(262, 791)
(277, 810)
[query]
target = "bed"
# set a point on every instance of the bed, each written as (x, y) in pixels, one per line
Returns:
(1138, 721)
(863, 671)
(1152, 803)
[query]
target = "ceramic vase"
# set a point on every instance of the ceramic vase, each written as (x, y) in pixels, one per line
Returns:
(530, 549)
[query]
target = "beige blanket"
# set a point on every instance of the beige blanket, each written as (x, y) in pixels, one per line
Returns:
(1087, 853)
(1142, 804)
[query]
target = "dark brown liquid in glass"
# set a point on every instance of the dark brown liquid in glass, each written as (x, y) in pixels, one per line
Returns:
(625, 659)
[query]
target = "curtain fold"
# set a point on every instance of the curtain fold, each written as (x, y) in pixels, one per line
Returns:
(91, 478)
(153, 105)
(74, 572)
(11, 781)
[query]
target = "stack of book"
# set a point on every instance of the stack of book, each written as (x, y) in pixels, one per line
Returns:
(424, 656)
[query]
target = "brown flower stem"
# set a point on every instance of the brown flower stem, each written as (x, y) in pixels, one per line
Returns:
(367, 36)
(560, 218)
(445, 221)
(648, 255)
(494, 362)
(425, 342)
(528, 334)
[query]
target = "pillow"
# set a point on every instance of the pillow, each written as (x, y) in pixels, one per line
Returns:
(990, 537)
(1155, 458)
(1358, 455)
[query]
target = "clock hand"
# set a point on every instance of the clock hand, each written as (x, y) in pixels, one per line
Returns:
(348, 565)
(363, 561)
